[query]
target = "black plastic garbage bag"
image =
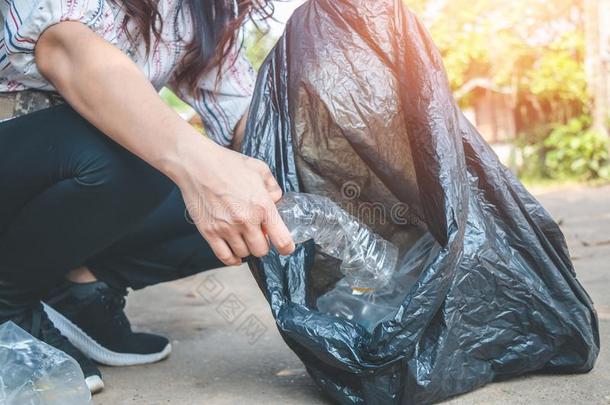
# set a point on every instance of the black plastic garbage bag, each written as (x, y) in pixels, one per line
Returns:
(353, 103)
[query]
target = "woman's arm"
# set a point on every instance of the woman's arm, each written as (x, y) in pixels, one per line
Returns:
(230, 196)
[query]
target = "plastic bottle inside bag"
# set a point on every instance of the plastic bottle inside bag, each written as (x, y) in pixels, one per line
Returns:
(370, 308)
(372, 288)
(367, 260)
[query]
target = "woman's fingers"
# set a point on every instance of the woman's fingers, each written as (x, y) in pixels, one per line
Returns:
(238, 246)
(223, 252)
(274, 190)
(277, 231)
(257, 243)
(273, 225)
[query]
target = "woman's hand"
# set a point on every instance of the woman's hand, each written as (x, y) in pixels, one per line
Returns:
(231, 198)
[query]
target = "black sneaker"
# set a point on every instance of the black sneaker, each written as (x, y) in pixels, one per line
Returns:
(92, 317)
(37, 324)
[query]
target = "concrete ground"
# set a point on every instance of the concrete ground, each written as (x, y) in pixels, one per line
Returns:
(227, 350)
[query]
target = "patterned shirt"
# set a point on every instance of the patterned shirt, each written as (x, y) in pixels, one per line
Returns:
(220, 105)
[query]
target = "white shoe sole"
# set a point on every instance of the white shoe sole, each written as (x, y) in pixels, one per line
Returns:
(94, 383)
(97, 352)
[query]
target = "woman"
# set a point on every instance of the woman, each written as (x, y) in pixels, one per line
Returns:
(96, 171)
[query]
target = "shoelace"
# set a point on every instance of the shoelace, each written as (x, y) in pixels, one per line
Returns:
(43, 329)
(114, 302)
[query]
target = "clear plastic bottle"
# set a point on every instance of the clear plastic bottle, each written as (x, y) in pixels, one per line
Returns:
(367, 260)
(374, 286)
(34, 373)
(370, 308)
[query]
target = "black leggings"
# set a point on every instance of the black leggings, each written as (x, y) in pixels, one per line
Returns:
(70, 196)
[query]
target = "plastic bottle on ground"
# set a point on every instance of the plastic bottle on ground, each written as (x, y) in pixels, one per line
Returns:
(34, 373)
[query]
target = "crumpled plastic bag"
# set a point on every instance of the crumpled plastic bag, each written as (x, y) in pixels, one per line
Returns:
(34, 373)
(353, 103)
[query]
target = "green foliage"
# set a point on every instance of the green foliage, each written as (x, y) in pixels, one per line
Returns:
(532, 50)
(173, 101)
(566, 152)
(257, 44)
(574, 151)
(559, 72)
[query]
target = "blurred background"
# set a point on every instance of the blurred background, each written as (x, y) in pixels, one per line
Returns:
(532, 75)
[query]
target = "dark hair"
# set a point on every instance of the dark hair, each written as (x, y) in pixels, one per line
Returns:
(216, 25)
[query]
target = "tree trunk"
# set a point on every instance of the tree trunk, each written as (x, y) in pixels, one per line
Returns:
(597, 61)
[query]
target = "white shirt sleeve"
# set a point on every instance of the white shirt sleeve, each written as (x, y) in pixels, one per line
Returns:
(221, 105)
(25, 21)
